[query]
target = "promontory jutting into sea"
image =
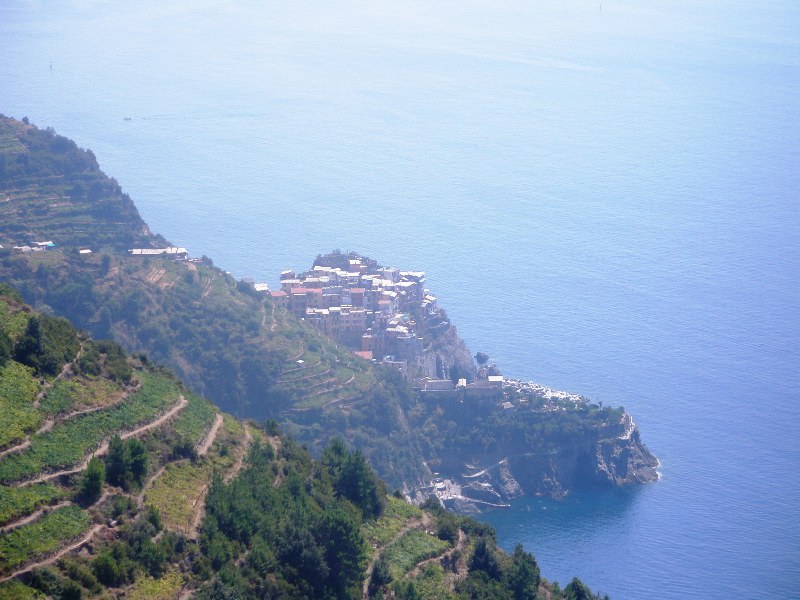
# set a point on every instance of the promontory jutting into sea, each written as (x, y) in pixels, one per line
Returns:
(603, 199)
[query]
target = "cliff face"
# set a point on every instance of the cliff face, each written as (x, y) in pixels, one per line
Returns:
(615, 456)
(585, 464)
(446, 356)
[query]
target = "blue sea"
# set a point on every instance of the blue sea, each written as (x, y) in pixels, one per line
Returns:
(605, 198)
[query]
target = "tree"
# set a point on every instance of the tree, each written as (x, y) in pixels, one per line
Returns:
(334, 457)
(117, 462)
(359, 484)
(137, 457)
(380, 575)
(28, 348)
(577, 590)
(484, 558)
(108, 570)
(523, 575)
(6, 347)
(126, 462)
(447, 528)
(92, 482)
(344, 549)
(481, 358)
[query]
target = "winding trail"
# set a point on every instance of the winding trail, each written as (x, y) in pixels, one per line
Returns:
(149, 484)
(103, 448)
(33, 516)
(200, 501)
(460, 545)
(248, 439)
(48, 423)
(204, 446)
(67, 368)
(54, 557)
(411, 524)
(18, 448)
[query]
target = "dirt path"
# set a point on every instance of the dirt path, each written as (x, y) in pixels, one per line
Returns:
(274, 324)
(155, 275)
(18, 448)
(33, 516)
(103, 448)
(263, 316)
(460, 545)
(202, 449)
(207, 287)
(54, 557)
(149, 484)
(200, 501)
(248, 439)
(67, 368)
(411, 524)
(200, 512)
(275, 442)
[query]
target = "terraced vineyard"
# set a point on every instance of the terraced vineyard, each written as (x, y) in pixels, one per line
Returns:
(112, 454)
(16, 502)
(50, 431)
(63, 187)
(68, 442)
(179, 490)
(18, 417)
(195, 420)
(413, 547)
(41, 537)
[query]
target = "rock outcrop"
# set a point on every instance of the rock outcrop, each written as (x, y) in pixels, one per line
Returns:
(611, 458)
(586, 464)
(446, 355)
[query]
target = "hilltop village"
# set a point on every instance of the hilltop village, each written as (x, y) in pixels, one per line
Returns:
(371, 311)
(385, 315)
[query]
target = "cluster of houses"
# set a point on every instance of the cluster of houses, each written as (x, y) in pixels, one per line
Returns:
(375, 313)
(33, 247)
(371, 311)
(170, 252)
(41, 247)
(177, 253)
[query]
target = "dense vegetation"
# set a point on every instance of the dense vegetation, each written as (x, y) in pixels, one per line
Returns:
(233, 346)
(54, 191)
(166, 510)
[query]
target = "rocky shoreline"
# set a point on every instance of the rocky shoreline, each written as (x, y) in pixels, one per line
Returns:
(612, 455)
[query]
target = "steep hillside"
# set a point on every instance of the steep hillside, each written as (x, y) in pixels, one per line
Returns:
(255, 359)
(90, 438)
(50, 190)
(115, 481)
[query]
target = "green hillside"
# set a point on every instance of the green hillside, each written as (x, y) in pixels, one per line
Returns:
(116, 481)
(228, 343)
(254, 359)
(50, 190)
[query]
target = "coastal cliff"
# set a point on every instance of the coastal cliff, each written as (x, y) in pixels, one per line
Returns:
(446, 357)
(532, 441)
(269, 357)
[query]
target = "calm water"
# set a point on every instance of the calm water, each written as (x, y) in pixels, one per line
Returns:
(605, 198)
